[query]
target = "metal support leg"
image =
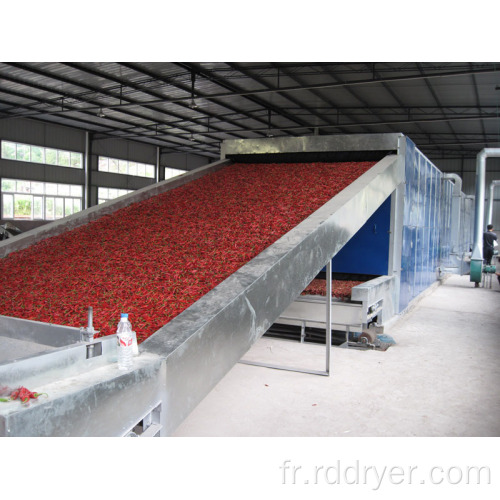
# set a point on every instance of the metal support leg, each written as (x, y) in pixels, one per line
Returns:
(328, 314)
(328, 335)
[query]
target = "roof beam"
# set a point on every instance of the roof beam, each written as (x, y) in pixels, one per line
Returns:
(186, 88)
(159, 97)
(369, 81)
(111, 131)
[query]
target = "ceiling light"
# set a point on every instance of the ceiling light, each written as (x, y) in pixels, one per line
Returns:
(101, 114)
(193, 104)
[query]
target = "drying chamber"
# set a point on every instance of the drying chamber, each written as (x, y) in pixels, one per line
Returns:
(391, 225)
(421, 231)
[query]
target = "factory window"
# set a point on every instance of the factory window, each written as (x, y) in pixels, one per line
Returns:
(38, 154)
(32, 200)
(173, 172)
(105, 194)
(125, 167)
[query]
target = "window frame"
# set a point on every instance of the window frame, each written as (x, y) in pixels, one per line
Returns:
(172, 173)
(31, 188)
(20, 145)
(114, 165)
(103, 198)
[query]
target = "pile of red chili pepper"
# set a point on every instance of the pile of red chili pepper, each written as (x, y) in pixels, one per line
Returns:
(155, 258)
(24, 395)
(341, 289)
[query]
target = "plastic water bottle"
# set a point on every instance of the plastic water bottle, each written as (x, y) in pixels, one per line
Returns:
(135, 347)
(125, 343)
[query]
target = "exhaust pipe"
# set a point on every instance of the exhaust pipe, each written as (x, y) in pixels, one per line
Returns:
(476, 265)
(489, 214)
(455, 210)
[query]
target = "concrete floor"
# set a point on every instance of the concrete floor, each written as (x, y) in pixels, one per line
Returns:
(440, 379)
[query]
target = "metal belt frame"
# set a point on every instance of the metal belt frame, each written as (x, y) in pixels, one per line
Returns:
(328, 343)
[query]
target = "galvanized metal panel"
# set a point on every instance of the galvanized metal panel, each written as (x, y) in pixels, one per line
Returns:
(100, 402)
(310, 144)
(13, 349)
(205, 341)
(381, 288)
(312, 312)
(37, 331)
(59, 363)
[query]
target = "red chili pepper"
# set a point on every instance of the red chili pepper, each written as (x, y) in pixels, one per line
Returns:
(23, 394)
(170, 250)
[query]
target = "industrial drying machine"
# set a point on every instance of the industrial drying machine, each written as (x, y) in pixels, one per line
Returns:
(181, 362)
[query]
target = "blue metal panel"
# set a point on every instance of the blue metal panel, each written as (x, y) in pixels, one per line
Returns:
(436, 247)
(445, 235)
(421, 191)
(409, 174)
(367, 252)
(420, 254)
(417, 199)
(431, 179)
(426, 181)
(426, 224)
(406, 285)
(435, 225)
(431, 267)
(428, 258)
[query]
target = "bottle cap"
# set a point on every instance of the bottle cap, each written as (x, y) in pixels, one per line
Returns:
(124, 315)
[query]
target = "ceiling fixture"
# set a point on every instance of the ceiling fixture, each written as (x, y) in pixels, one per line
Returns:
(193, 104)
(101, 113)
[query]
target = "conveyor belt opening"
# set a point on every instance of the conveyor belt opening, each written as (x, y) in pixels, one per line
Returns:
(310, 157)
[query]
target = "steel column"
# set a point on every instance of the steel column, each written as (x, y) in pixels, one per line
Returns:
(86, 165)
(328, 315)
